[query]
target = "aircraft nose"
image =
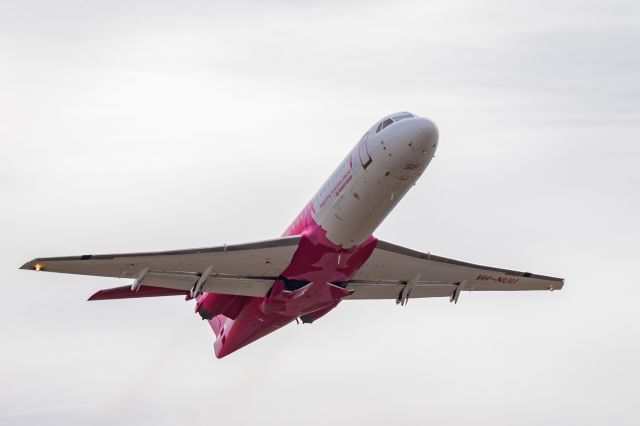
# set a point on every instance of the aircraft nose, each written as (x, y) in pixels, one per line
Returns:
(415, 136)
(426, 133)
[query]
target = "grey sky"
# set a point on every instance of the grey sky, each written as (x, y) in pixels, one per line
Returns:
(166, 125)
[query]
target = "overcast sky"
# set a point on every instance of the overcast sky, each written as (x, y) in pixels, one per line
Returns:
(130, 126)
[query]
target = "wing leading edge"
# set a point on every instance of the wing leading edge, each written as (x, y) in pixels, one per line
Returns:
(395, 272)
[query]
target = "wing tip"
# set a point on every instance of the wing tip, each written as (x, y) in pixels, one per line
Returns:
(30, 265)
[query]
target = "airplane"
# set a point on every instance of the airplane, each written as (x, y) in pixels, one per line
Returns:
(327, 254)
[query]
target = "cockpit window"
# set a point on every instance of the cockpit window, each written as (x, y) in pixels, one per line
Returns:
(390, 121)
(384, 124)
(402, 117)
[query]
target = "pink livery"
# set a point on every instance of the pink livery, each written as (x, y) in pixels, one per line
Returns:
(326, 255)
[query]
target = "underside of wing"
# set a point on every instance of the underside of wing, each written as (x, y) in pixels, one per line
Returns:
(395, 272)
(243, 269)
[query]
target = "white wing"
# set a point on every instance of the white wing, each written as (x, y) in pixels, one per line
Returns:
(392, 272)
(395, 272)
(243, 269)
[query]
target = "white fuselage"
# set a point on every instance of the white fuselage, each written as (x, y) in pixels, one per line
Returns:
(373, 177)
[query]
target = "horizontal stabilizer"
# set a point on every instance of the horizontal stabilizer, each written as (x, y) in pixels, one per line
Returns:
(125, 292)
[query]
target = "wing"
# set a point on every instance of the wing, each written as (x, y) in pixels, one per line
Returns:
(243, 269)
(395, 272)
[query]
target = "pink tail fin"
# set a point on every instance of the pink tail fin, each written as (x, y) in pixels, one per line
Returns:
(217, 323)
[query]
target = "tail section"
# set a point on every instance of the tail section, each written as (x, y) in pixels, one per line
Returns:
(220, 310)
(211, 304)
(217, 324)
